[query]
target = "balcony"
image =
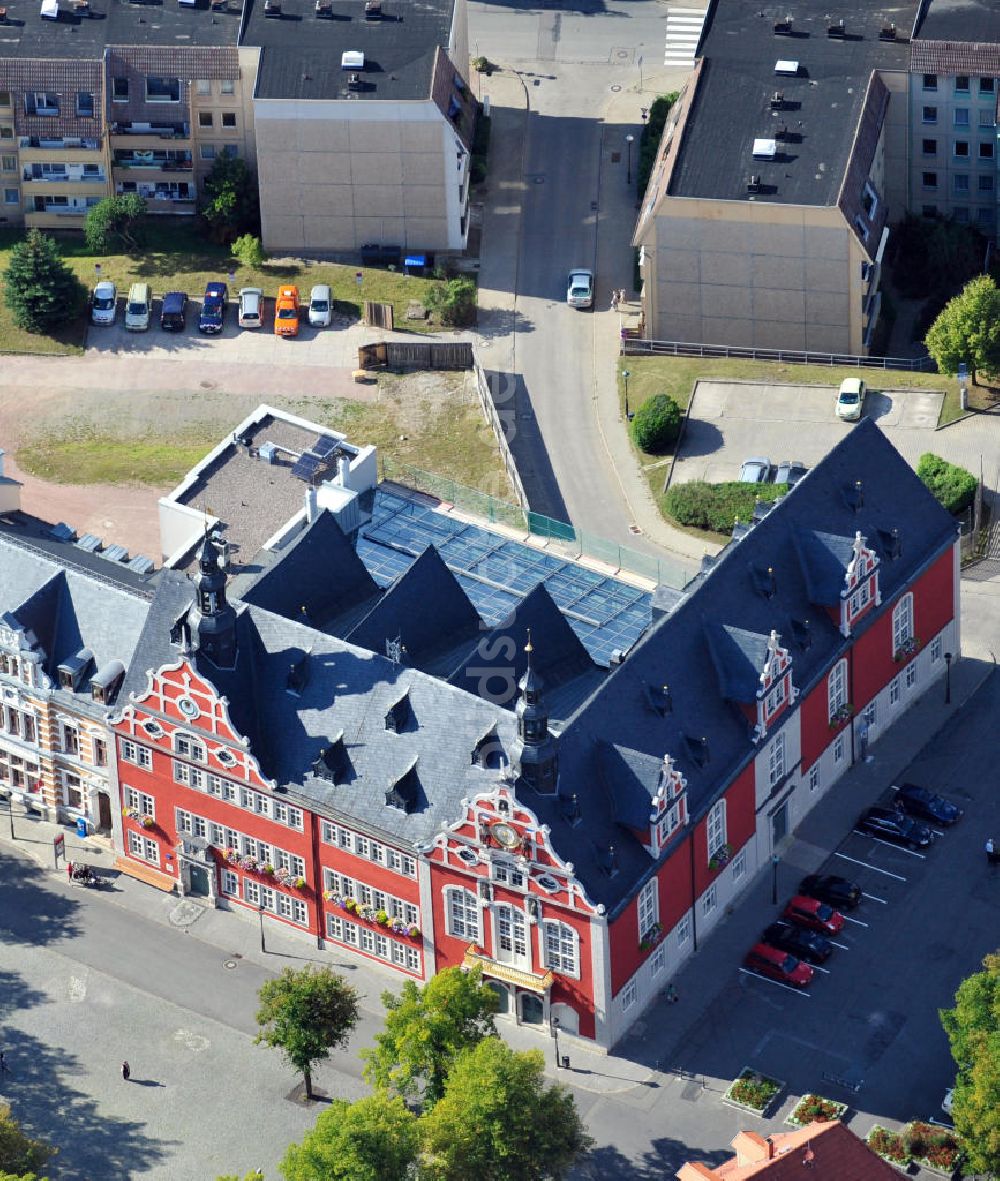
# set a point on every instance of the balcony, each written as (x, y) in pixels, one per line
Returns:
(152, 160)
(150, 135)
(74, 176)
(39, 143)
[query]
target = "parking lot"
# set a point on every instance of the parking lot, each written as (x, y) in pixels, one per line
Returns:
(730, 421)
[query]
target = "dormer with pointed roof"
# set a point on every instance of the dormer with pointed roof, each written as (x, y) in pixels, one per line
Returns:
(212, 618)
(841, 574)
(535, 756)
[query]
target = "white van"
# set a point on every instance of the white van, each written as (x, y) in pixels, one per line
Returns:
(139, 307)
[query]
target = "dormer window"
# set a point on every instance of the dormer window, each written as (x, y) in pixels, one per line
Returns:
(669, 807)
(776, 688)
(189, 748)
(861, 585)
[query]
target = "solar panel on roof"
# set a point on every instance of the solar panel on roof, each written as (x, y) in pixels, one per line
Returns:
(305, 467)
(90, 543)
(323, 446)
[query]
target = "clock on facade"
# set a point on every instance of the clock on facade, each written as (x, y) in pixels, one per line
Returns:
(188, 707)
(504, 835)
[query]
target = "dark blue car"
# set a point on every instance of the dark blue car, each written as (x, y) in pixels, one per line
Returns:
(213, 310)
(928, 805)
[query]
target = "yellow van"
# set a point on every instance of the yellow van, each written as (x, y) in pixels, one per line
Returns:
(138, 307)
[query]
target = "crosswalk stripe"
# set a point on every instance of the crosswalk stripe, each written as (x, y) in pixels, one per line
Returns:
(683, 32)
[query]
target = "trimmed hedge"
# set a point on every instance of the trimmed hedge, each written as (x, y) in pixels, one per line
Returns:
(953, 486)
(649, 140)
(656, 424)
(717, 506)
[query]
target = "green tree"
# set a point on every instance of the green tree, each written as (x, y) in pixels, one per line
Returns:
(498, 1121)
(425, 1030)
(39, 288)
(249, 251)
(250, 1175)
(374, 1139)
(968, 329)
(973, 1029)
(953, 486)
(454, 301)
(114, 220)
(656, 424)
(19, 1154)
(231, 207)
(306, 1013)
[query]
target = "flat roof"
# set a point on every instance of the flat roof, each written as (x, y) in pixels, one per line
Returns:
(961, 20)
(822, 102)
(114, 22)
(302, 51)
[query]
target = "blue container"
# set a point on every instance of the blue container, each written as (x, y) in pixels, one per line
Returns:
(81, 826)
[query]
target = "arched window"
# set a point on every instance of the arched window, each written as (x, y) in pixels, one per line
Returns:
(560, 947)
(462, 912)
(836, 687)
(902, 623)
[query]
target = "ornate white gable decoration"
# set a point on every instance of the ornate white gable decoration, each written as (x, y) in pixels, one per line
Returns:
(776, 689)
(861, 584)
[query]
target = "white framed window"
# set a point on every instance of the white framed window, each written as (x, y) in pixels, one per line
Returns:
(251, 891)
(132, 752)
(345, 839)
(894, 691)
(381, 946)
(361, 845)
(814, 777)
(861, 598)
(683, 930)
(144, 804)
(267, 899)
(398, 953)
(367, 939)
(412, 959)
(936, 646)
(910, 675)
(838, 749)
(144, 848)
(409, 866)
(203, 86)
(776, 759)
(230, 883)
(70, 739)
(628, 995)
(648, 908)
(335, 927)
(658, 961)
(328, 832)
(462, 912)
(560, 947)
(776, 698)
(670, 821)
(188, 748)
(739, 865)
(376, 852)
(870, 713)
(504, 872)
(902, 622)
(716, 828)
(709, 900)
(227, 86)
(836, 688)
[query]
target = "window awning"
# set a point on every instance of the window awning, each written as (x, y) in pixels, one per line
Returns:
(493, 969)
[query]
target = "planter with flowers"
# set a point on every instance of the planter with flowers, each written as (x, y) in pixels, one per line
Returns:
(281, 874)
(936, 1149)
(651, 937)
(382, 918)
(299, 883)
(130, 813)
(721, 857)
(350, 906)
(267, 869)
(148, 822)
(811, 1109)
(414, 932)
(890, 1146)
(753, 1092)
(906, 650)
(841, 715)
(334, 897)
(248, 863)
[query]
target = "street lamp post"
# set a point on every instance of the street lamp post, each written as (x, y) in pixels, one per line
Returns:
(10, 812)
(629, 141)
(625, 376)
(947, 678)
(774, 878)
(555, 1036)
(260, 915)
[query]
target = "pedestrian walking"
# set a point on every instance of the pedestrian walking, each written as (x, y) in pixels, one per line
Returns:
(126, 1071)
(672, 997)
(621, 297)
(614, 300)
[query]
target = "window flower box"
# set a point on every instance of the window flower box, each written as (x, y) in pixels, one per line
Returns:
(232, 854)
(841, 715)
(382, 918)
(813, 1108)
(936, 1149)
(350, 906)
(722, 856)
(148, 822)
(414, 932)
(398, 926)
(651, 937)
(890, 1146)
(299, 883)
(248, 863)
(267, 869)
(130, 813)
(366, 912)
(752, 1091)
(906, 650)
(334, 897)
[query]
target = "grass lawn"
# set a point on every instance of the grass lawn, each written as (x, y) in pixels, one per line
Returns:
(676, 376)
(176, 256)
(431, 421)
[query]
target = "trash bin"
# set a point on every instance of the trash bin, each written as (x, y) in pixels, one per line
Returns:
(81, 826)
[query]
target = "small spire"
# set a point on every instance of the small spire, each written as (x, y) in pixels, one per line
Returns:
(527, 647)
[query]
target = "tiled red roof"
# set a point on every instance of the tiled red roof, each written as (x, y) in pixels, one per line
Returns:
(955, 57)
(830, 1151)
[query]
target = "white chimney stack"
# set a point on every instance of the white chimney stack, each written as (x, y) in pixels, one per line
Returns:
(312, 507)
(344, 471)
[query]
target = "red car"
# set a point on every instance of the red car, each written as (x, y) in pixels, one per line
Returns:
(778, 965)
(816, 915)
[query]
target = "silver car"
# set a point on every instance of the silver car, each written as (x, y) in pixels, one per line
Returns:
(756, 470)
(251, 301)
(320, 306)
(104, 304)
(580, 288)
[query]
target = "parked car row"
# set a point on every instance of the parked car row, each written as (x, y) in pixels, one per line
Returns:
(212, 318)
(759, 470)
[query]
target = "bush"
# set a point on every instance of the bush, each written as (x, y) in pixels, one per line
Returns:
(477, 170)
(888, 1144)
(934, 255)
(656, 424)
(814, 1107)
(649, 141)
(754, 1090)
(249, 251)
(115, 220)
(455, 301)
(717, 506)
(951, 485)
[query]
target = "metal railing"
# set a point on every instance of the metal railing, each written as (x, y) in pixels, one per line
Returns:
(633, 347)
(574, 543)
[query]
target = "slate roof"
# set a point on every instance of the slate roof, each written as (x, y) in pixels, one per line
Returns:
(823, 103)
(960, 20)
(632, 780)
(739, 657)
(302, 52)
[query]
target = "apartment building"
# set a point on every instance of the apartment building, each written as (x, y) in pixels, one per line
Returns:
(954, 168)
(764, 221)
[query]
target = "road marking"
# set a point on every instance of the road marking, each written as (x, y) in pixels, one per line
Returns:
(867, 864)
(683, 32)
(937, 832)
(891, 845)
(817, 968)
(77, 990)
(776, 983)
(193, 1041)
(873, 898)
(856, 922)
(842, 946)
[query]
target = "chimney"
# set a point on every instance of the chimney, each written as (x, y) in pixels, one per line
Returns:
(312, 507)
(343, 471)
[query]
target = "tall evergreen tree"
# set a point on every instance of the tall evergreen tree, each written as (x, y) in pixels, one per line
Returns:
(39, 288)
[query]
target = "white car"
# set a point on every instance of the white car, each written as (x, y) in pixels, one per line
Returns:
(850, 399)
(251, 303)
(580, 288)
(104, 303)
(320, 306)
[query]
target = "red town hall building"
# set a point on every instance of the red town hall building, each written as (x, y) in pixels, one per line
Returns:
(342, 751)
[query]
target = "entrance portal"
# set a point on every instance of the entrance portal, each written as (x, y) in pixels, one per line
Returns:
(199, 881)
(103, 812)
(532, 1009)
